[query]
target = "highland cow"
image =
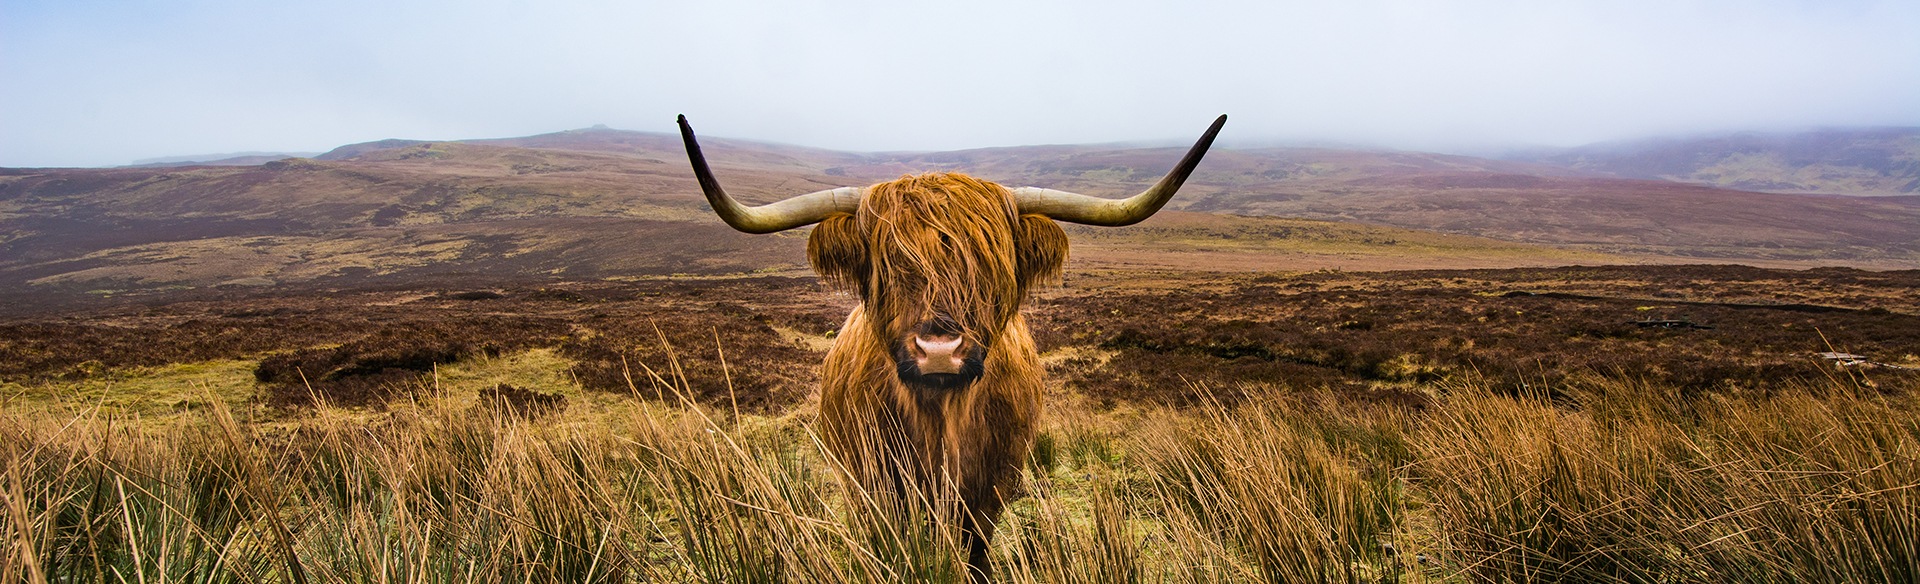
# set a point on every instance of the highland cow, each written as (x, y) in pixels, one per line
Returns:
(934, 385)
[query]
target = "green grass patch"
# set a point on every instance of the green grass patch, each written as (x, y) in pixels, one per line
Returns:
(163, 390)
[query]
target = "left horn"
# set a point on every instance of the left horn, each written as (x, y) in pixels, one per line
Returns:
(798, 211)
(1078, 208)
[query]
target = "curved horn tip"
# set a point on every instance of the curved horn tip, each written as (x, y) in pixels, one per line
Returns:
(1085, 210)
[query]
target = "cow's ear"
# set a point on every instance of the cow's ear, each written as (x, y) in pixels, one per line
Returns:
(838, 253)
(1040, 248)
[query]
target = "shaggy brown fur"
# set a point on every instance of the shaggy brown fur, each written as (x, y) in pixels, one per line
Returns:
(951, 249)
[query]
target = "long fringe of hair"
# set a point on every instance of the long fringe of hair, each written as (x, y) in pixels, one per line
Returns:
(947, 244)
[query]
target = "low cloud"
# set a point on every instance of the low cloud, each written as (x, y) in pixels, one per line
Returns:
(91, 84)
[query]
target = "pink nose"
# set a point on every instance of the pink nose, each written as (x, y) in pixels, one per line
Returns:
(939, 353)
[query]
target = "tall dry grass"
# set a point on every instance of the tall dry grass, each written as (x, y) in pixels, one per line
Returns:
(1631, 483)
(1620, 482)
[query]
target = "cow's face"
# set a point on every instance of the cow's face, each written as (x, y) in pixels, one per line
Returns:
(941, 263)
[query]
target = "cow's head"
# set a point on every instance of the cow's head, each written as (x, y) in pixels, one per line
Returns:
(941, 261)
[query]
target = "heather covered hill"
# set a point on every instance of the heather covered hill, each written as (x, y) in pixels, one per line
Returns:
(1506, 200)
(601, 203)
(1875, 161)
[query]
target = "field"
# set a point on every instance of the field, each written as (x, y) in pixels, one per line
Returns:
(1630, 423)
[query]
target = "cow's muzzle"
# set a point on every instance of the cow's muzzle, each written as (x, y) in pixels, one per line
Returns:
(935, 355)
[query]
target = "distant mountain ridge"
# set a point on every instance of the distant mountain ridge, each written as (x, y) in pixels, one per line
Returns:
(601, 203)
(227, 159)
(1859, 161)
(1537, 202)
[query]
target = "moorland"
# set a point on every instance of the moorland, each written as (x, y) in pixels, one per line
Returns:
(539, 359)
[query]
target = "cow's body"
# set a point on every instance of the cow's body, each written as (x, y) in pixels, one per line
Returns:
(973, 440)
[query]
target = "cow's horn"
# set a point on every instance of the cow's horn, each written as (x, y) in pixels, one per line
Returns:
(805, 209)
(1078, 208)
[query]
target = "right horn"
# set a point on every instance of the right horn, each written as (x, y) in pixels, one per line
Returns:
(798, 211)
(1078, 208)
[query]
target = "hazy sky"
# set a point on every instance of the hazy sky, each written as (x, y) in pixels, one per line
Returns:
(102, 83)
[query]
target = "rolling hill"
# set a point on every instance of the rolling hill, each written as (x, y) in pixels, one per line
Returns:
(598, 203)
(1875, 161)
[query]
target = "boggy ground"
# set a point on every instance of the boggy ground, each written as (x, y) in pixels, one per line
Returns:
(1392, 335)
(1114, 337)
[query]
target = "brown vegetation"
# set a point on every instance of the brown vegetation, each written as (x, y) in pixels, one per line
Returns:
(1114, 337)
(1512, 330)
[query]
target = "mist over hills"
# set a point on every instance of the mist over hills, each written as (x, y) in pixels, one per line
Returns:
(600, 203)
(226, 159)
(1864, 161)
